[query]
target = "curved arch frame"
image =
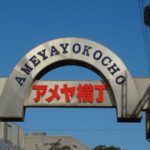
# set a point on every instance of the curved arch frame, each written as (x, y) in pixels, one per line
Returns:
(66, 51)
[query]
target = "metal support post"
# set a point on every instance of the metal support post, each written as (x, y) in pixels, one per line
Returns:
(148, 126)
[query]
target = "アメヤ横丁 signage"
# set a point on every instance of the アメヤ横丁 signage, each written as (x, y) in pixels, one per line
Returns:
(130, 96)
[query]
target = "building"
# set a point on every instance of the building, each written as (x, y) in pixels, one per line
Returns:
(12, 138)
(40, 141)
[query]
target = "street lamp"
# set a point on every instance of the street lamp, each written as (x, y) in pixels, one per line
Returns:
(147, 15)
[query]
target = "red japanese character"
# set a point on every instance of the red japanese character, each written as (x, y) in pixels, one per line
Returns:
(54, 94)
(68, 91)
(40, 91)
(101, 89)
(85, 93)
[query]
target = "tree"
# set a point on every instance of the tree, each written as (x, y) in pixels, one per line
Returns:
(103, 147)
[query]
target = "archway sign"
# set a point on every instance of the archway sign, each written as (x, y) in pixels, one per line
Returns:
(130, 96)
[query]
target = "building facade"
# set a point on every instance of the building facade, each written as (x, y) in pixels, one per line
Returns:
(12, 138)
(40, 141)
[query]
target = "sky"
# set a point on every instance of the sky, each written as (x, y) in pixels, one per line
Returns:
(115, 24)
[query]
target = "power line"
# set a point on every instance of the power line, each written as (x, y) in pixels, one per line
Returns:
(85, 130)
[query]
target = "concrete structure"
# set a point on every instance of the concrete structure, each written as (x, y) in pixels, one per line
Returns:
(39, 141)
(12, 138)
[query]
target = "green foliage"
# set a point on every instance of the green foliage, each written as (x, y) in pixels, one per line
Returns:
(103, 147)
